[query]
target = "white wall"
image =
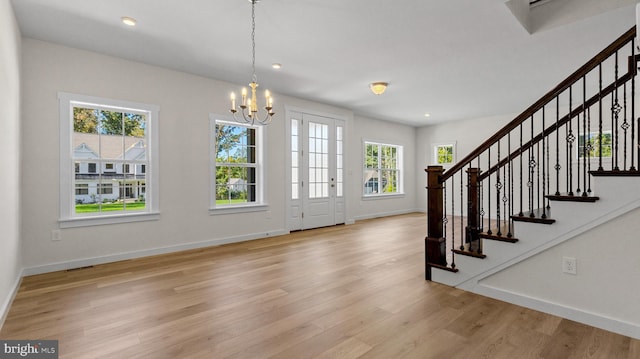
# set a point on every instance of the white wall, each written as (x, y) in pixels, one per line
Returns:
(185, 102)
(10, 250)
(468, 134)
(605, 284)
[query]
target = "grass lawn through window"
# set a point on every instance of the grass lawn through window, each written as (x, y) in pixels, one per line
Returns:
(108, 207)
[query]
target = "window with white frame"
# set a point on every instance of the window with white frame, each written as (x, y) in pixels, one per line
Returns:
(100, 138)
(444, 154)
(236, 165)
(382, 173)
(589, 145)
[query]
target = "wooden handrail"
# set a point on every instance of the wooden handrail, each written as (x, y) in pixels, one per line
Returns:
(561, 122)
(550, 96)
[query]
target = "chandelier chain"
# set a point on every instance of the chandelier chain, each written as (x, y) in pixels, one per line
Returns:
(253, 40)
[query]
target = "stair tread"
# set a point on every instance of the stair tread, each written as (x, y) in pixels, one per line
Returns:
(573, 198)
(537, 217)
(615, 173)
(498, 238)
(447, 268)
(467, 252)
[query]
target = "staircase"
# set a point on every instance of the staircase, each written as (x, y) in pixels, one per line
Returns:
(564, 167)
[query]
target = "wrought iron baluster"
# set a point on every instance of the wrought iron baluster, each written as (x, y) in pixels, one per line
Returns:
(557, 166)
(505, 197)
(589, 148)
(548, 169)
(538, 176)
(614, 131)
(521, 176)
(453, 211)
(615, 111)
(570, 139)
(578, 189)
(600, 118)
(625, 126)
(532, 164)
(489, 192)
(462, 236)
(481, 200)
(498, 190)
(584, 137)
(510, 220)
(633, 107)
(545, 162)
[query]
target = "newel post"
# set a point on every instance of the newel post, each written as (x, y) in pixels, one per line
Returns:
(434, 243)
(473, 212)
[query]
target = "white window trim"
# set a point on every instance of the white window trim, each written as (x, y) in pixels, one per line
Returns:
(261, 202)
(400, 169)
(67, 217)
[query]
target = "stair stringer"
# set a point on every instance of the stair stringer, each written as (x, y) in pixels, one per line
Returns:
(618, 195)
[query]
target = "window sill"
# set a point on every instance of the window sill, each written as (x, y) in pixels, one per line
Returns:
(238, 209)
(108, 219)
(382, 196)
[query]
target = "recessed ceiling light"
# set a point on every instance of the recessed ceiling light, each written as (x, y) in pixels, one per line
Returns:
(129, 21)
(427, 115)
(276, 66)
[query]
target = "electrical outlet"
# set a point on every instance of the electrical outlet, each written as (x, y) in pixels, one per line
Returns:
(569, 265)
(56, 235)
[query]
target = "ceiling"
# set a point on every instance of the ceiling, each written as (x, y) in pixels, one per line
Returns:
(453, 59)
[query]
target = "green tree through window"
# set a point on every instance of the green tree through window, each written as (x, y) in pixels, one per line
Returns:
(236, 165)
(381, 169)
(589, 145)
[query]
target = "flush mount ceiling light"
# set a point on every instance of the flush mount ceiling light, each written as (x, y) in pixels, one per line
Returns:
(249, 106)
(129, 21)
(378, 87)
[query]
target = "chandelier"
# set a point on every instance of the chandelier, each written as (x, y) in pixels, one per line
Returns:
(248, 107)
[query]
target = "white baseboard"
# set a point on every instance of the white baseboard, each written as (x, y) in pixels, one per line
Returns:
(78, 263)
(387, 214)
(6, 305)
(593, 319)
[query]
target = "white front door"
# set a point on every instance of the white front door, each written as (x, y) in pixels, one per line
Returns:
(317, 171)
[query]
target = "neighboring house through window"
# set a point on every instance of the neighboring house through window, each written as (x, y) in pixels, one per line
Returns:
(236, 165)
(382, 169)
(103, 142)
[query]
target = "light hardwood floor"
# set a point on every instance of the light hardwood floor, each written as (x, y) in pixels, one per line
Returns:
(354, 291)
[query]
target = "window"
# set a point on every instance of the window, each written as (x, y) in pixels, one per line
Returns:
(382, 169)
(236, 165)
(592, 149)
(82, 189)
(105, 188)
(444, 154)
(97, 136)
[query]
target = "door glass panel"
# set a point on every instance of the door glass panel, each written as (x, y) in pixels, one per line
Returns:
(339, 159)
(295, 170)
(318, 160)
